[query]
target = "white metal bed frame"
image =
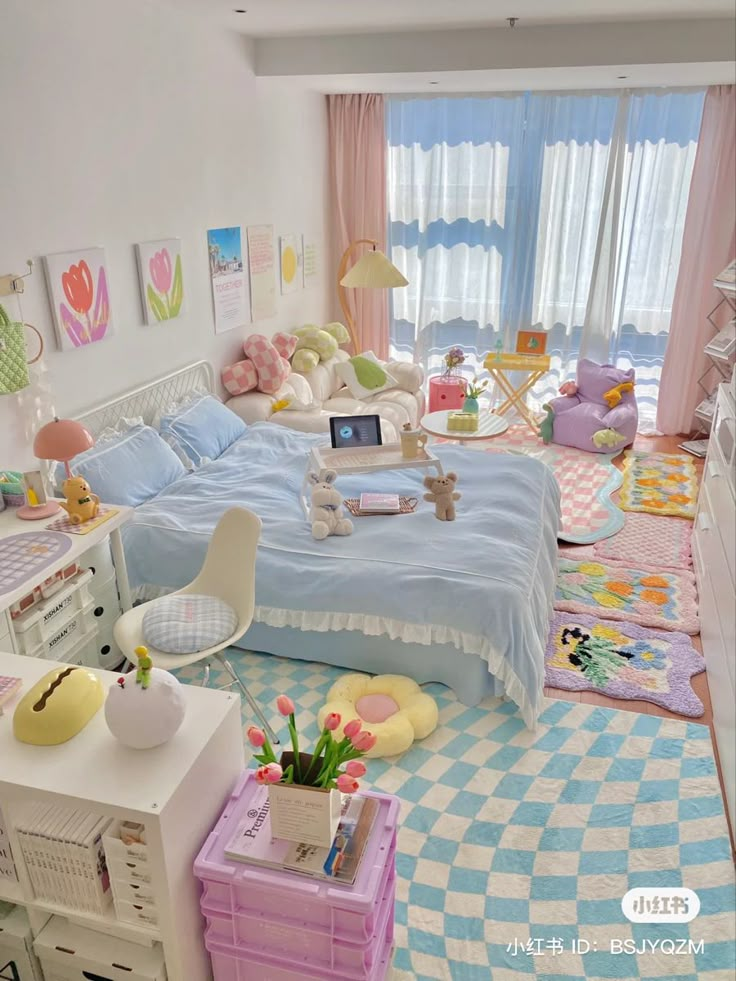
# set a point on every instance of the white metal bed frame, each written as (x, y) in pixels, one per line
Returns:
(150, 400)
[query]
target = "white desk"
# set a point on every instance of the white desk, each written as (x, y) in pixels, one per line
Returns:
(177, 790)
(11, 524)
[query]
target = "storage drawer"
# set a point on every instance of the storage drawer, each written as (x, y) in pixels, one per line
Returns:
(721, 505)
(132, 892)
(133, 870)
(136, 913)
(116, 850)
(43, 620)
(65, 636)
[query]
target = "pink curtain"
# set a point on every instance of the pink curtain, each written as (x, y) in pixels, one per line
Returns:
(708, 244)
(358, 194)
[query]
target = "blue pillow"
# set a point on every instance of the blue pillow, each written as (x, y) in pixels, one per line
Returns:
(130, 468)
(203, 428)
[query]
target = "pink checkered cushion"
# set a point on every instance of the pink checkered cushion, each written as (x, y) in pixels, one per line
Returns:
(240, 377)
(273, 370)
(285, 344)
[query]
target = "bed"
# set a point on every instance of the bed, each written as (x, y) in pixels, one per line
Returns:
(467, 603)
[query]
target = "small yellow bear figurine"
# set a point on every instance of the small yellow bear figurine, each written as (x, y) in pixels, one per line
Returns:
(81, 504)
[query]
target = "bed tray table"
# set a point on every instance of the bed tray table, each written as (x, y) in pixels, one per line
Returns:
(364, 459)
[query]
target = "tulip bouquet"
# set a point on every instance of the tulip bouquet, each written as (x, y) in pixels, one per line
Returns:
(332, 764)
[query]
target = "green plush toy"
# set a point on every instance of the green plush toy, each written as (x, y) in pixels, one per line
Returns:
(317, 344)
(547, 424)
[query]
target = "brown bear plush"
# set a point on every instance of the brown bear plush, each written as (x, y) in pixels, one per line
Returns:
(443, 494)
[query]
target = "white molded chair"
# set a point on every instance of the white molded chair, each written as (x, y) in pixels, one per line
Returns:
(228, 573)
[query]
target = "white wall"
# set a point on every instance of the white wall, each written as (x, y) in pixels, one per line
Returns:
(132, 123)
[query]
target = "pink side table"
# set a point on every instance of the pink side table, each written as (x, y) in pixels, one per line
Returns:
(446, 392)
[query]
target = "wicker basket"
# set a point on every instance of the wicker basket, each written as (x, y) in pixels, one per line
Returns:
(13, 491)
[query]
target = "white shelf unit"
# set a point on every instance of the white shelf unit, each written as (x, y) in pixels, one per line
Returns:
(176, 790)
(720, 364)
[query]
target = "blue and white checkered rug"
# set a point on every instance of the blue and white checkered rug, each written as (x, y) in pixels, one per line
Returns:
(516, 847)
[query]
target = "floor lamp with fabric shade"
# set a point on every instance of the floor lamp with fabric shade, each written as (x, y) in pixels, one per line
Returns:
(373, 270)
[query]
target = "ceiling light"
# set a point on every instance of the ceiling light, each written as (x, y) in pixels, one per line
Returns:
(622, 76)
(238, 10)
(434, 83)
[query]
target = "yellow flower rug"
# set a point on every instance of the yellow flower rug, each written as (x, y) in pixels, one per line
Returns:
(659, 483)
(621, 592)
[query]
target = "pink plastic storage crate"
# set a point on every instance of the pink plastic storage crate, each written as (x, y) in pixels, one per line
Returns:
(317, 950)
(229, 964)
(347, 913)
(446, 393)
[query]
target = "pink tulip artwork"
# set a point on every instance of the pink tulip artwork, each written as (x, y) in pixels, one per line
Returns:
(162, 282)
(80, 297)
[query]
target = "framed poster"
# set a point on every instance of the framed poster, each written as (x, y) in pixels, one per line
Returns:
(161, 279)
(80, 296)
(262, 269)
(289, 255)
(229, 285)
(310, 263)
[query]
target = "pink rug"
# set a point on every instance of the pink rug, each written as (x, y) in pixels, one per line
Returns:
(650, 597)
(587, 481)
(660, 542)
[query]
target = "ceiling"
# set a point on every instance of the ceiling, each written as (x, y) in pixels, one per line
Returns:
(272, 18)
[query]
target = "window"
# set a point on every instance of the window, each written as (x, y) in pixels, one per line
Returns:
(561, 212)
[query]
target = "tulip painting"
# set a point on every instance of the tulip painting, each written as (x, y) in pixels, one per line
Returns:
(80, 297)
(162, 283)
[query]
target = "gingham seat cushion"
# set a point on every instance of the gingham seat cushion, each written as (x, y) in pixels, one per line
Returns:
(188, 624)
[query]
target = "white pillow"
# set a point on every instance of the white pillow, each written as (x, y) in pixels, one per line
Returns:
(364, 375)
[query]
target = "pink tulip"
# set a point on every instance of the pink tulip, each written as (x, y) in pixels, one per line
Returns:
(271, 773)
(285, 705)
(346, 784)
(355, 768)
(352, 728)
(160, 269)
(364, 741)
(256, 736)
(332, 721)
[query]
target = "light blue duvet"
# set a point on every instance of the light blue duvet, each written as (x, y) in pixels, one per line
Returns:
(483, 583)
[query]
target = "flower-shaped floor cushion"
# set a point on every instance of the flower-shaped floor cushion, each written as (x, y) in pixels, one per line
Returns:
(392, 707)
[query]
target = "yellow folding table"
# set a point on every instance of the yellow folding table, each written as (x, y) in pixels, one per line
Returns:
(501, 363)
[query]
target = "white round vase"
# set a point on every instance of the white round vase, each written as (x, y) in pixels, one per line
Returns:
(145, 717)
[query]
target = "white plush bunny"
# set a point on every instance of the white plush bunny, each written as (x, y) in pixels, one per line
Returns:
(326, 513)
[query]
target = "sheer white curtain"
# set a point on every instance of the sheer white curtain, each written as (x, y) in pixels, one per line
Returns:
(559, 211)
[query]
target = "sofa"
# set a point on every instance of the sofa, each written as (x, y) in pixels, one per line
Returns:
(323, 389)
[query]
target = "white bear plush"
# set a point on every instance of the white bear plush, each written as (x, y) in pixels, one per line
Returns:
(326, 512)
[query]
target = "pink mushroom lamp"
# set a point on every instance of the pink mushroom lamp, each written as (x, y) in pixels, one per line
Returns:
(61, 440)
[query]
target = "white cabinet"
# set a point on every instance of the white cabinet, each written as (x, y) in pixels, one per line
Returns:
(176, 790)
(714, 558)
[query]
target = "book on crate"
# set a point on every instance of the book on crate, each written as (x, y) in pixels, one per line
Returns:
(379, 504)
(253, 843)
(64, 856)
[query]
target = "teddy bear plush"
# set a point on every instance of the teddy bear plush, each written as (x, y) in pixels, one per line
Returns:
(326, 512)
(442, 494)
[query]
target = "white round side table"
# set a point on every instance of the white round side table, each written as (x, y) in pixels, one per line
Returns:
(489, 425)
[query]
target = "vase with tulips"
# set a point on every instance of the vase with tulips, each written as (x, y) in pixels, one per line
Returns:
(304, 788)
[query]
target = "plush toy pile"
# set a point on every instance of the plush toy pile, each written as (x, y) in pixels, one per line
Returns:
(267, 363)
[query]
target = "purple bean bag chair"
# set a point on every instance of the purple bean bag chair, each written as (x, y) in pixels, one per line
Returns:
(600, 414)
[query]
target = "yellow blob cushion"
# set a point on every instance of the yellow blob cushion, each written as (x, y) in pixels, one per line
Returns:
(416, 715)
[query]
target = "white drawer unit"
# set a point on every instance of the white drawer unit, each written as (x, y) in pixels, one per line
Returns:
(43, 621)
(714, 559)
(17, 959)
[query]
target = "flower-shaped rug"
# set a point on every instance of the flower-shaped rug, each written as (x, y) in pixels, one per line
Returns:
(392, 707)
(659, 483)
(623, 660)
(651, 598)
